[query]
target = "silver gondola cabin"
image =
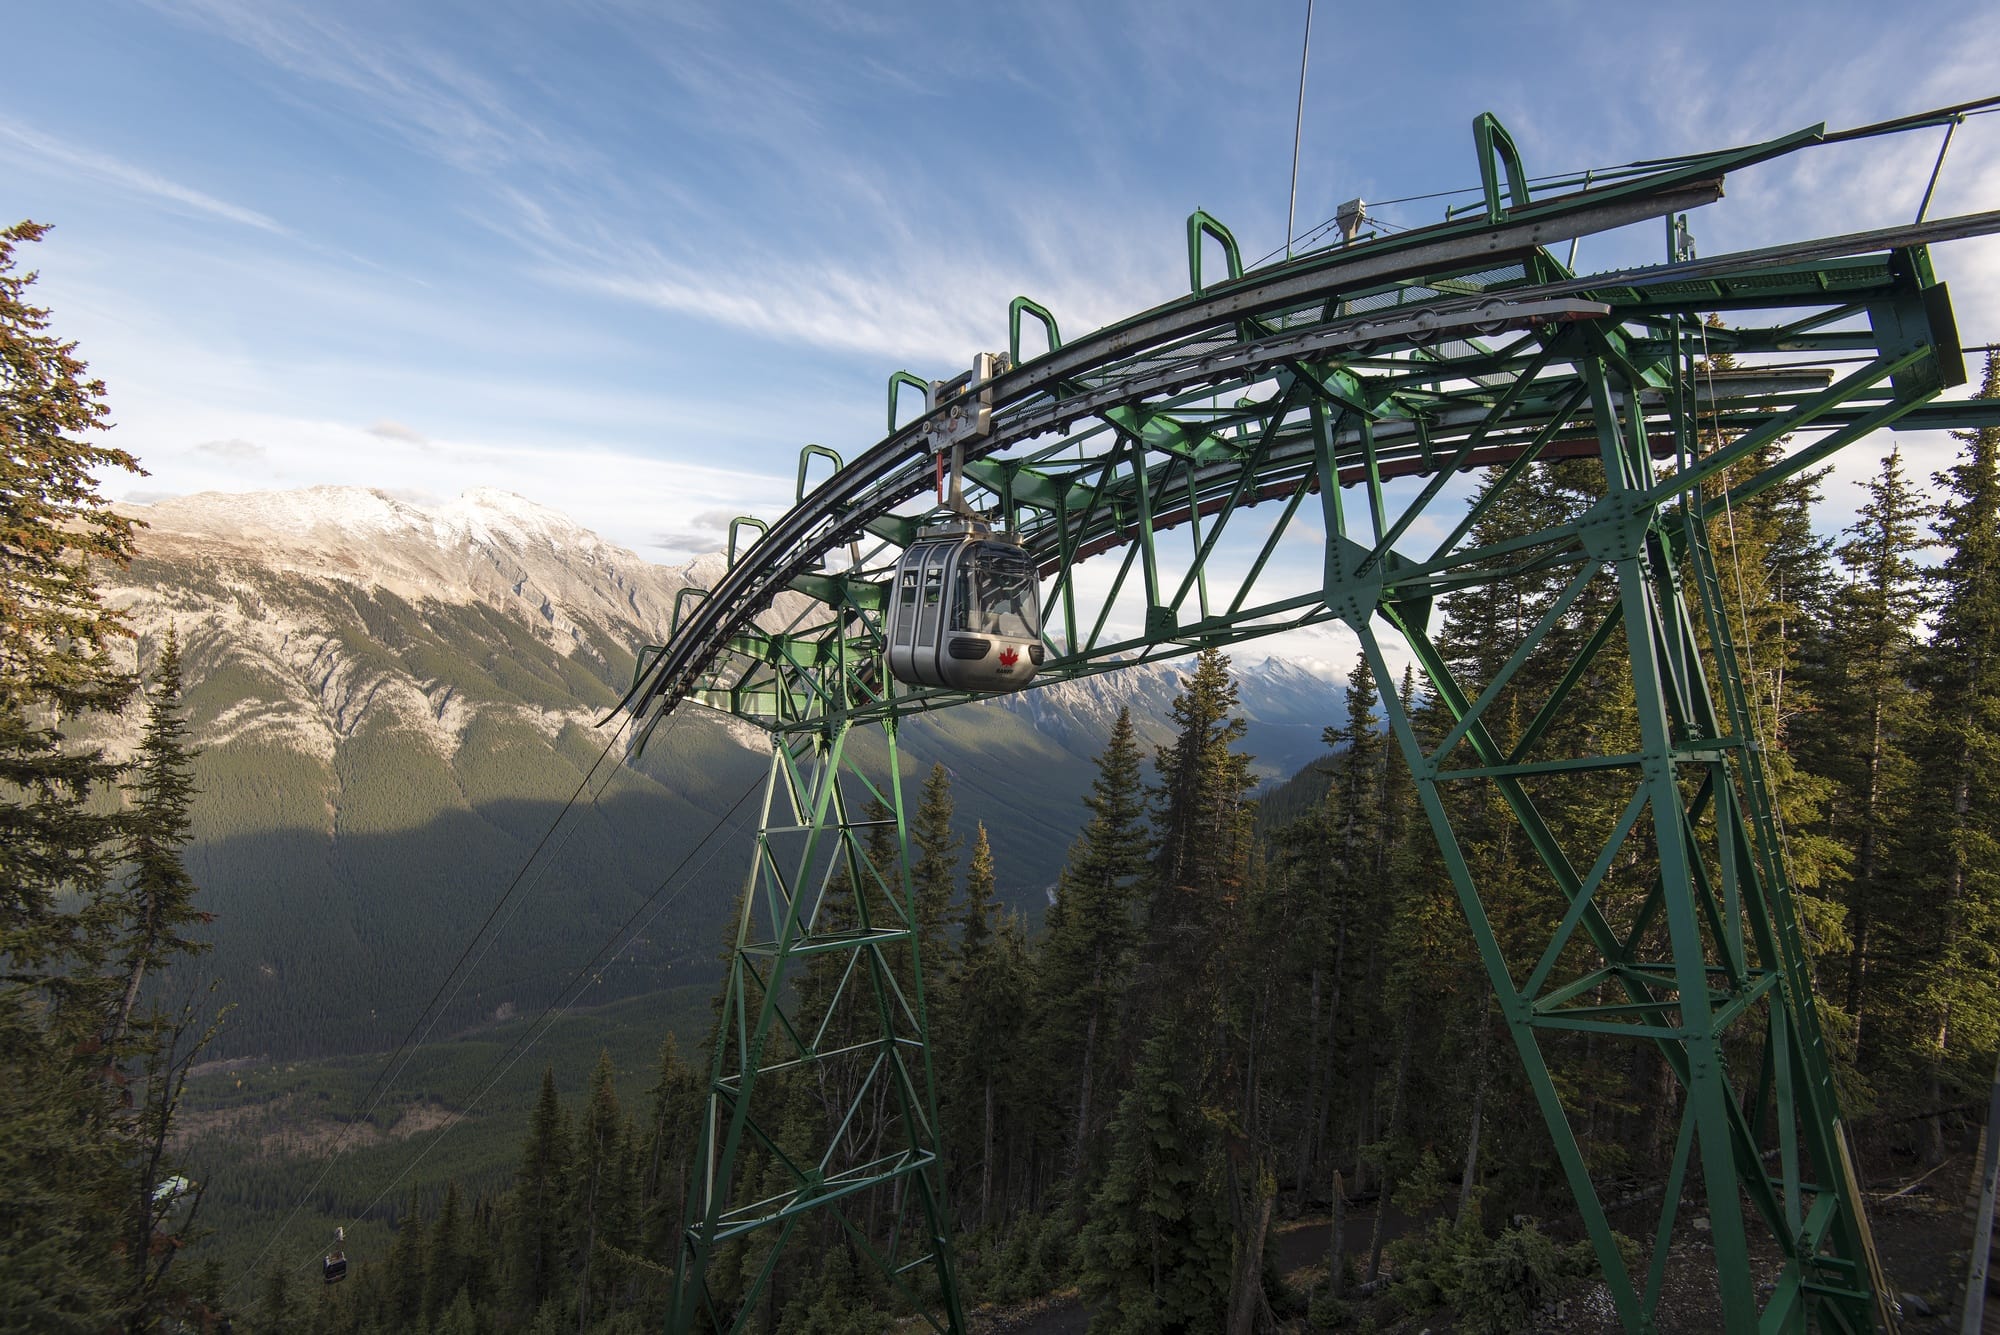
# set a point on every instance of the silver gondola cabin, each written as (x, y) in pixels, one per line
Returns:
(965, 611)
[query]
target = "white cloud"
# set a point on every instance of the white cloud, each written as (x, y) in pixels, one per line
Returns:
(389, 430)
(627, 498)
(410, 90)
(234, 450)
(929, 300)
(23, 144)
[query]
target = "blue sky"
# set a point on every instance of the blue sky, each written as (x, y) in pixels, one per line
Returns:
(625, 258)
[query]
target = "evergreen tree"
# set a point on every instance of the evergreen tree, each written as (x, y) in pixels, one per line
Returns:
(1154, 1256)
(158, 901)
(934, 874)
(276, 1309)
(407, 1264)
(671, 1135)
(446, 1267)
(54, 525)
(1360, 754)
(1949, 965)
(1085, 960)
(1201, 823)
(538, 1199)
(599, 1191)
(976, 922)
(1861, 740)
(988, 987)
(841, 1305)
(1774, 580)
(66, 1160)
(55, 661)
(458, 1319)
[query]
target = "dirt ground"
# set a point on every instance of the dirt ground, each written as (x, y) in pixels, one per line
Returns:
(284, 1127)
(1921, 1232)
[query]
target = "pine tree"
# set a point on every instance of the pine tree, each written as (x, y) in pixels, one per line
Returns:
(976, 922)
(1086, 958)
(65, 1183)
(406, 1268)
(445, 1267)
(1861, 739)
(158, 900)
(670, 1145)
(458, 1319)
(1949, 974)
(1154, 1255)
(1360, 754)
(934, 874)
(538, 1199)
(1774, 581)
(1204, 888)
(53, 522)
(276, 1309)
(988, 987)
(1201, 823)
(598, 1187)
(55, 655)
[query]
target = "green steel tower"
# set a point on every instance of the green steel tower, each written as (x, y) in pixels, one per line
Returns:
(1369, 401)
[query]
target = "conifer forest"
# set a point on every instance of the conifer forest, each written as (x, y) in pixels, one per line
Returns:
(1239, 1009)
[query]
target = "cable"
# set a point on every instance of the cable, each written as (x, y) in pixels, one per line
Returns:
(393, 1066)
(1751, 706)
(552, 1012)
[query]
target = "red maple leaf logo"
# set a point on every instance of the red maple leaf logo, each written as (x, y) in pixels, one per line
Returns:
(1009, 656)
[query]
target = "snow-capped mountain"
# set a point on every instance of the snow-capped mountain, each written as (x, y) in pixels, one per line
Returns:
(487, 546)
(273, 582)
(395, 701)
(1287, 706)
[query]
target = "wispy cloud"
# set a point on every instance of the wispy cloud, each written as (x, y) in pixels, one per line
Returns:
(389, 430)
(655, 503)
(23, 144)
(928, 292)
(234, 450)
(409, 89)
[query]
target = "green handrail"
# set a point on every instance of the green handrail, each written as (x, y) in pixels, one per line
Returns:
(1200, 223)
(1015, 309)
(736, 525)
(806, 456)
(897, 379)
(1496, 149)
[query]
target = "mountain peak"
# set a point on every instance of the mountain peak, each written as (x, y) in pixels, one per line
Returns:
(480, 512)
(489, 511)
(302, 510)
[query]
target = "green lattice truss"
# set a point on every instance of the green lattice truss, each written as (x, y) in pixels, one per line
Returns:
(1174, 475)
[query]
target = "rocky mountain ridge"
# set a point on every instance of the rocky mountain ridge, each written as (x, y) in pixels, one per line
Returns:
(395, 700)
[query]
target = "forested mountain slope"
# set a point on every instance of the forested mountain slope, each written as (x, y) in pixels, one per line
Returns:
(395, 701)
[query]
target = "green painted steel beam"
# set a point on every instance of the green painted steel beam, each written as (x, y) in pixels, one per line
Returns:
(1330, 431)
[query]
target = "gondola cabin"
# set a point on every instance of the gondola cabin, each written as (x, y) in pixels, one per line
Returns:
(336, 1260)
(965, 612)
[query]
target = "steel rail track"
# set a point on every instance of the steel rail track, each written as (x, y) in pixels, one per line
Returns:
(1044, 395)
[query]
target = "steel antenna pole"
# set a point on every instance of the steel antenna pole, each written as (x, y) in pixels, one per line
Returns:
(1298, 128)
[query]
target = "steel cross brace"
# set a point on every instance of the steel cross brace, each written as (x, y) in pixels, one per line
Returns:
(1732, 961)
(1366, 366)
(823, 1005)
